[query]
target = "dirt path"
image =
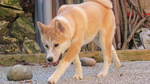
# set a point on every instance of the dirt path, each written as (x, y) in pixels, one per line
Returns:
(132, 73)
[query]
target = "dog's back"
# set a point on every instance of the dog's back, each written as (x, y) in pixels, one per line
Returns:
(106, 3)
(93, 14)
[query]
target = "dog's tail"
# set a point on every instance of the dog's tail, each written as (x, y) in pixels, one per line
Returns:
(106, 3)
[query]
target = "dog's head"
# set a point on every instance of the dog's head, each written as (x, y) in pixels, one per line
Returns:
(55, 38)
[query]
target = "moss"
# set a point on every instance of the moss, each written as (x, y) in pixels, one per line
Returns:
(10, 48)
(23, 28)
(130, 55)
(124, 55)
(3, 30)
(8, 60)
(8, 39)
(8, 14)
(30, 46)
(12, 3)
(17, 27)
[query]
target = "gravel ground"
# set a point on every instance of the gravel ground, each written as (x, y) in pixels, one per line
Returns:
(131, 73)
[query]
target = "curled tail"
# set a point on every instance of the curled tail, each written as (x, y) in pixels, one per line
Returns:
(106, 3)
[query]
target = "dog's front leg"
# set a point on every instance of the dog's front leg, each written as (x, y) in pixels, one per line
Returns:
(70, 55)
(78, 69)
(59, 71)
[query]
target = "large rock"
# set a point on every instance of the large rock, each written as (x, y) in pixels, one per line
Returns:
(145, 38)
(19, 72)
(85, 61)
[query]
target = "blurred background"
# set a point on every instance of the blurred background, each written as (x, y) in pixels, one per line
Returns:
(20, 34)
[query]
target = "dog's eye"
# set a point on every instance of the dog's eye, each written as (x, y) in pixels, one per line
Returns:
(46, 46)
(56, 45)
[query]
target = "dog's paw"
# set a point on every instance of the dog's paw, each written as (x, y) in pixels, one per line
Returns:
(101, 74)
(52, 80)
(78, 76)
(118, 65)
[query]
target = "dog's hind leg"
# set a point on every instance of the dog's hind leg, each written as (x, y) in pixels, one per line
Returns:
(106, 46)
(115, 58)
(78, 69)
(114, 53)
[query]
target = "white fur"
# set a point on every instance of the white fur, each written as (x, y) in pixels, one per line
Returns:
(49, 53)
(99, 40)
(59, 71)
(64, 46)
(78, 69)
(115, 58)
(62, 19)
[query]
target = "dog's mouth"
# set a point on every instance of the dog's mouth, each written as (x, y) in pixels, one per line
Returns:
(57, 62)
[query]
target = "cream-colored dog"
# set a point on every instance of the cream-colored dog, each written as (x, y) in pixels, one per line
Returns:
(74, 26)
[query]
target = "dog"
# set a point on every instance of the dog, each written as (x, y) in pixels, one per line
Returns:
(74, 26)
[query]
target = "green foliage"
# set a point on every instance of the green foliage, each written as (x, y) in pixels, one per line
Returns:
(17, 32)
(23, 28)
(8, 14)
(3, 30)
(14, 3)
(30, 46)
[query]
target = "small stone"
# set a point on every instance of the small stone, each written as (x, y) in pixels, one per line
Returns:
(19, 72)
(85, 61)
(121, 74)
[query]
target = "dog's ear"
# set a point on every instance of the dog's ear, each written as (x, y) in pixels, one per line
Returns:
(59, 25)
(41, 26)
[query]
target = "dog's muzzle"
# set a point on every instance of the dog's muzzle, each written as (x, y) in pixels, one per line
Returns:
(50, 60)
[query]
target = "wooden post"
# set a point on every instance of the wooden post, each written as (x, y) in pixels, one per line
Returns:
(47, 11)
(39, 17)
(43, 13)
(54, 8)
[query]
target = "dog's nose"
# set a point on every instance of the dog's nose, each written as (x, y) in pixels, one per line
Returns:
(50, 59)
